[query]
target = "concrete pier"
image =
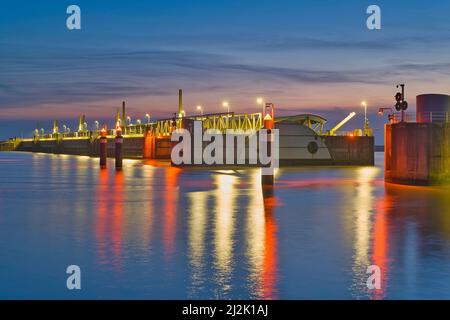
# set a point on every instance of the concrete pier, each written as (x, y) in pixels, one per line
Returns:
(118, 141)
(417, 153)
(103, 149)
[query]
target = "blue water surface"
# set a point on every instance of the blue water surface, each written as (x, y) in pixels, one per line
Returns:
(157, 232)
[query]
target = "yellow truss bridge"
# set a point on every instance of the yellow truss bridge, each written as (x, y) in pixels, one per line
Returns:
(218, 121)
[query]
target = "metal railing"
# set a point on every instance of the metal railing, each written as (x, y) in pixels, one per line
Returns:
(231, 120)
(10, 145)
(62, 135)
(436, 117)
(397, 117)
(165, 127)
(440, 117)
(219, 121)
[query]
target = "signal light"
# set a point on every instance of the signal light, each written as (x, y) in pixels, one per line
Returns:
(404, 105)
(401, 104)
(103, 131)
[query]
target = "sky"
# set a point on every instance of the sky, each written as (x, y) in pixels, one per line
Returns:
(303, 56)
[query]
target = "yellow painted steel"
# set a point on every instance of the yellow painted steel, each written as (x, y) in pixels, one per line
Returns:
(220, 121)
(224, 121)
(165, 127)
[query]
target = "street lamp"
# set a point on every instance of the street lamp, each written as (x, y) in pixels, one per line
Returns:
(364, 104)
(129, 120)
(226, 104)
(200, 108)
(138, 123)
(390, 111)
(147, 116)
(96, 125)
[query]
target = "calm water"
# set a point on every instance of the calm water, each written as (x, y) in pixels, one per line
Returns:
(156, 232)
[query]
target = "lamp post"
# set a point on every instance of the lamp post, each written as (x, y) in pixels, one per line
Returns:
(200, 108)
(364, 104)
(147, 116)
(391, 115)
(138, 123)
(226, 104)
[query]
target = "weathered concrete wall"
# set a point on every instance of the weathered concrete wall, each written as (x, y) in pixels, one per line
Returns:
(132, 147)
(440, 153)
(163, 148)
(348, 150)
(417, 153)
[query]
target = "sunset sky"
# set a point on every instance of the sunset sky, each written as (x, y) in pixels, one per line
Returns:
(304, 56)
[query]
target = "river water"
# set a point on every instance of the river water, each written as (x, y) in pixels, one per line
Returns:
(157, 232)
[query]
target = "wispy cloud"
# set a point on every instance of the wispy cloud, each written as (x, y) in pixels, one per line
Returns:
(67, 77)
(36, 76)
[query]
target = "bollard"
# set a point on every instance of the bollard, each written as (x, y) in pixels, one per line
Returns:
(118, 148)
(268, 179)
(103, 148)
(269, 124)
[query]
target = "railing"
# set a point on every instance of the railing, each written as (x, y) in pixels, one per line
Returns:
(219, 121)
(407, 117)
(355, 133)
(440, 117)
(62, 135)
(224, 121)
(437, 117)
(9, 145)
(136, 129)
(165, 127)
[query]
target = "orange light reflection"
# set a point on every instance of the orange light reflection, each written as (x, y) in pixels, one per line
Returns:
(170, 212)
(380, 244)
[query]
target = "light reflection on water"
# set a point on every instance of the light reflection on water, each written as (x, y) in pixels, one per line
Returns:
(153, 231)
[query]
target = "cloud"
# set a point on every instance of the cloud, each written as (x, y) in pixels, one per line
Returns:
(304, 76)
(441, 67)
(301, 43)
(61, 77)
(280, 43)
(43, 75)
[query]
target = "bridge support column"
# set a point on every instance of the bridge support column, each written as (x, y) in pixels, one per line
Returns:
(148, 151)
(118, 148)
(267, 174)
(103, 148)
